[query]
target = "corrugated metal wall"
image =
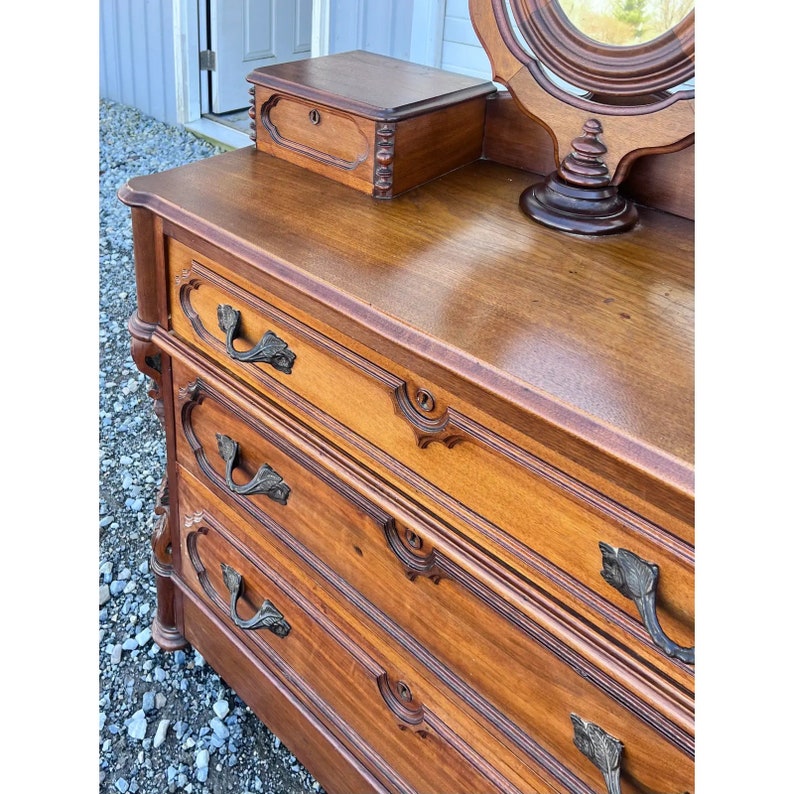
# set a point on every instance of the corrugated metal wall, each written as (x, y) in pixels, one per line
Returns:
(139, 66)
(136, 56)
(383, 27)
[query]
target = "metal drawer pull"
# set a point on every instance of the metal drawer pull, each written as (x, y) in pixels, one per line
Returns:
(268, 350)
(266, 481)
(637, 579)
(267, 616)
(599, 747)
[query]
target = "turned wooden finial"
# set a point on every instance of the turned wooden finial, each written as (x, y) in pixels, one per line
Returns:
(579, 196)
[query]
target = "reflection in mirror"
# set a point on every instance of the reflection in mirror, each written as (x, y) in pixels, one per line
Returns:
(625, 22)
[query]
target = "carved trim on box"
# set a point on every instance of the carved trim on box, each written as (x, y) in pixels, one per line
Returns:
(383, 170)
(252, 113)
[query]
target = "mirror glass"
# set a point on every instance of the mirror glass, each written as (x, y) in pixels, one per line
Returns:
(624, 23)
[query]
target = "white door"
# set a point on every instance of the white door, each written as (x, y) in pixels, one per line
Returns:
(246, 34)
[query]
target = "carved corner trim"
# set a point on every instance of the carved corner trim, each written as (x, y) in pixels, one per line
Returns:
(148, 358)
(162, 558)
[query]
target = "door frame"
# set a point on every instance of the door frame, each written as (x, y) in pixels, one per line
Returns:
(426, 41)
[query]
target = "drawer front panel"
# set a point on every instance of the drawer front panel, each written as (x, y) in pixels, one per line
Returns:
(550, 528)
(396, 726)
(316, 137)
(482, 647)
(315, 131)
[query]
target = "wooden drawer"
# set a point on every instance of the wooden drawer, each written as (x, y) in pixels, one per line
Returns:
(409, 736)
(270, 698)
(483, 647)
(547, 526)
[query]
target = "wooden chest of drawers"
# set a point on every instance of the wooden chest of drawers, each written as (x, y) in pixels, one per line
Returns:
(429, 497)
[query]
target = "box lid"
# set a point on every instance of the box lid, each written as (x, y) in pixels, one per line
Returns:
(374, 86)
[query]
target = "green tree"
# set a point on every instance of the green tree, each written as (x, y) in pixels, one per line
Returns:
(632, 13)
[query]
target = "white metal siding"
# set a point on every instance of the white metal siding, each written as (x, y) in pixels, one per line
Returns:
(461, 50)
(383, 26)
(136, 56)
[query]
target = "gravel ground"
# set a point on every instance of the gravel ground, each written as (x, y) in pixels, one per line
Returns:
(167, 721)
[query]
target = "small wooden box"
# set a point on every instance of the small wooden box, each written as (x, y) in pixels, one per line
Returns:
(375, 123)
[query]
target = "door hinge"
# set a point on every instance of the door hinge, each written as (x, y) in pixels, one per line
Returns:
(208, 62)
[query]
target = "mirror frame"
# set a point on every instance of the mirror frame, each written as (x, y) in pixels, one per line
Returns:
(625, 77)
(628, 109)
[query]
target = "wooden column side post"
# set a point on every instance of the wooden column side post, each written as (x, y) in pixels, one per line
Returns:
(144, 251)
(149, 360)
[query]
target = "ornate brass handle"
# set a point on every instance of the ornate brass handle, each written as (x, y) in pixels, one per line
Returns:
(269, 349)
(637, 579)
(599, 747)
(265, 481)
(267, 616)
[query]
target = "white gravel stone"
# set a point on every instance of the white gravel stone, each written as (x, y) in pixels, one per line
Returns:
(160, 734)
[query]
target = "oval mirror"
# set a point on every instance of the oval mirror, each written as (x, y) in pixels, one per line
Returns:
(625, 23)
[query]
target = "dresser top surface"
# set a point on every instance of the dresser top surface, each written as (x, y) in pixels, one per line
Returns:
(595, 335)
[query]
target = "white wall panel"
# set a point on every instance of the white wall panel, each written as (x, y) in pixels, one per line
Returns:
(461, 49)
(381, 26)
(137, 56)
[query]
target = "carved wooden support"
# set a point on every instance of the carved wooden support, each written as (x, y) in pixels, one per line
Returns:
(579, 196)
(164, 626)
(147, 358)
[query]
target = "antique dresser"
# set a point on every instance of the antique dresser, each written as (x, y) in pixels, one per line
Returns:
(429, 496)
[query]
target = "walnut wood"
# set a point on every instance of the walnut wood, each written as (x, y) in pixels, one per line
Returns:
(629, 132)
(524, 307)
(372, 86)
(320, 751)
(342, 385)
(474, 405)
(378, 124)
(333, 663)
